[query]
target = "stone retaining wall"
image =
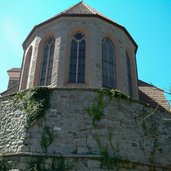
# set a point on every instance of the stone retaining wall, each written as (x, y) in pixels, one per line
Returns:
(12, 131)
(119, 139)
(20, 162)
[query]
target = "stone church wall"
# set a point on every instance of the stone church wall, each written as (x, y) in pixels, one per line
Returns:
(84, 129)
(95, 30)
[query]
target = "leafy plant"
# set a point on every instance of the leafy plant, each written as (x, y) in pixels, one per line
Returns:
(106, 160)
(96, 110)
(34, 102)
(47, 138)
(4, 165)
(58, 164)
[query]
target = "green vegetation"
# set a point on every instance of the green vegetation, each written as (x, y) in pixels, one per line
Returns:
(96, 110)
(113, 93)
(60, 164)
(156, 145)
(149, 128)
(34, 102)
(47, 138)
(4, 165)
(107, 161)
(57, 164)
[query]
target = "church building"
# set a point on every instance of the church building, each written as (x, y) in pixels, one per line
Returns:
(76, 103)
(82, 48)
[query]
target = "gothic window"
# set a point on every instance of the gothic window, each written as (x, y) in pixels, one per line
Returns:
(108, 64)
(47, 62)
(26, 70)
(129, 75)
(77, 59)
(28, 66)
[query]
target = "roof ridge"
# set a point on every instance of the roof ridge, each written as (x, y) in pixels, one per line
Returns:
(14, 69)
(88, 12)
(97, 12)
(90, 8)
(148, 84)
(71, 7)
(63, 12)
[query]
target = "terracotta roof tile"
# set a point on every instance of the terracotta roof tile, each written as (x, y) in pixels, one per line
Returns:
(14, 70)
(79, 8)
(83, 10)
(11, 90)
(152, 95)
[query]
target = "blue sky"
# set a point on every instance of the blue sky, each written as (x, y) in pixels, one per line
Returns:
(148, 21)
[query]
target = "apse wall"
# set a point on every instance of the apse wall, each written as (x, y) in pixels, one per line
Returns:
(95, 30)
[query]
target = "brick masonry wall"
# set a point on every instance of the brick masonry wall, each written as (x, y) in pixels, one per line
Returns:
(119, 136)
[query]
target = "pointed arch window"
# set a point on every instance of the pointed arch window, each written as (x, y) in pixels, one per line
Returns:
(108, 64)
(47, 62)
(77, 59)
(26, 70)
(129, 75)
(28, 66)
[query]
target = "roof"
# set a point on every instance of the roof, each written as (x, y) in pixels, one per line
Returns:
(11, 90)
(153, 96)
(82, 10)
(14, 70)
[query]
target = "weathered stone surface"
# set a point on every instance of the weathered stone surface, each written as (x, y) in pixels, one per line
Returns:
(95, 30)
(11, 127)
(119, 132)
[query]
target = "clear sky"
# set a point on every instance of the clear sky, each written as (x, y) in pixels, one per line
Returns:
(148, 21)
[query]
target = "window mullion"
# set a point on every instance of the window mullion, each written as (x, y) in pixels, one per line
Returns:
(109, 75)
(78, 46)
(47, 66)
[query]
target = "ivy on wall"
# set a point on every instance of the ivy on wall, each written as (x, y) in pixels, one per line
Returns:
(46, 138)
(33, 102)
(96, 110)
(150, 127)
(57, 163)
(4, 165)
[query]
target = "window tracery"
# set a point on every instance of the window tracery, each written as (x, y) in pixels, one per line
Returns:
(77, 59)
(129, 75)
(47, 62)
(108, 64)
